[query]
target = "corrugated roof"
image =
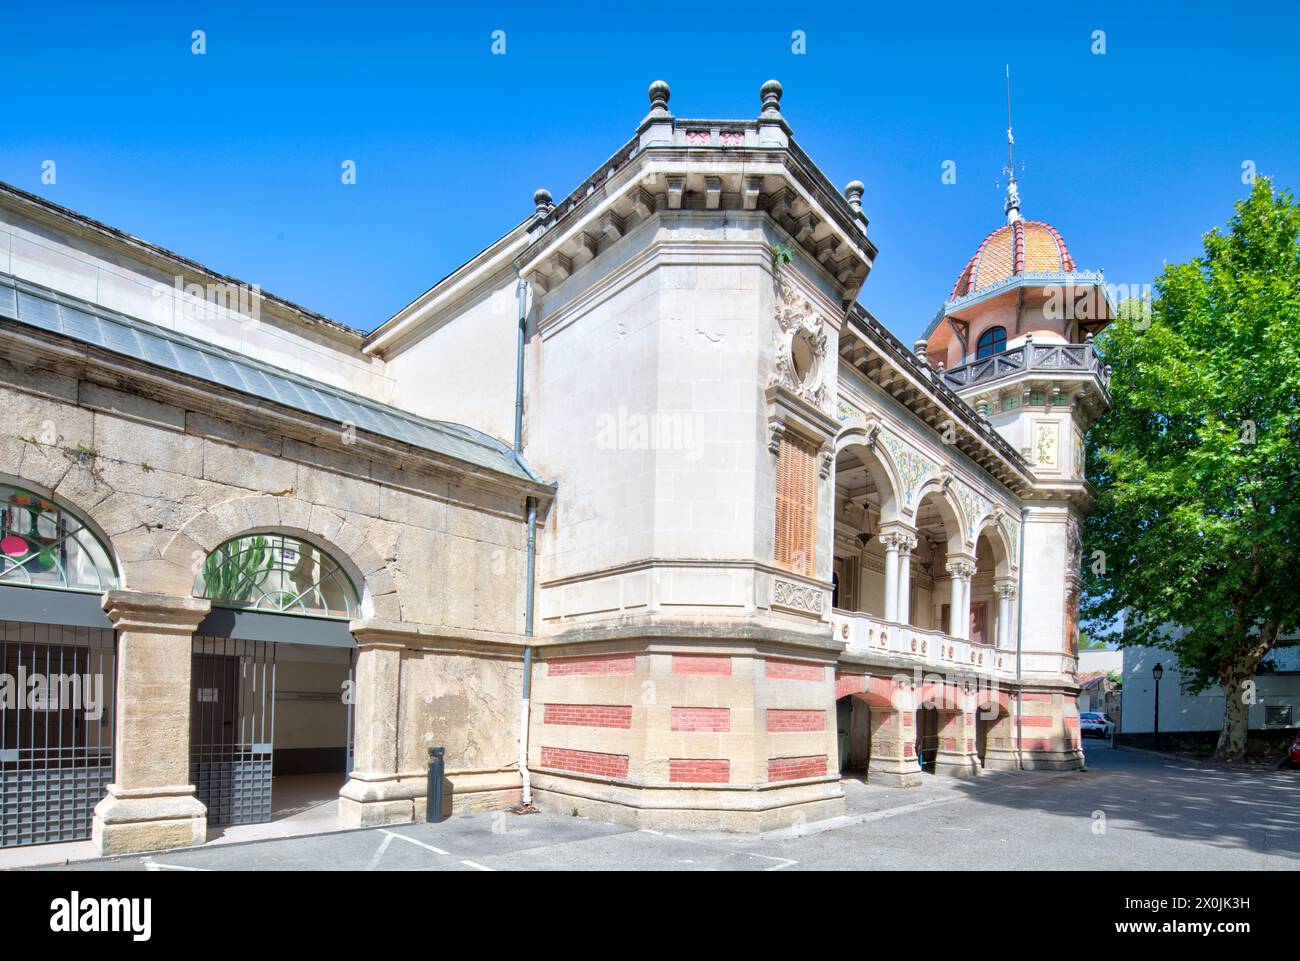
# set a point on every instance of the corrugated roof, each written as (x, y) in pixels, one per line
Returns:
(47, 310)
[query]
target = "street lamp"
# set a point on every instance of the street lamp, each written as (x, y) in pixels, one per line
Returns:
(1157, 672)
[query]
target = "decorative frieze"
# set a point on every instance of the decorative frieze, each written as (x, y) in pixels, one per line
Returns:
(799, 597)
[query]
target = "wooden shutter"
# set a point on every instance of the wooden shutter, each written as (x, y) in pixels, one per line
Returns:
(796, 505)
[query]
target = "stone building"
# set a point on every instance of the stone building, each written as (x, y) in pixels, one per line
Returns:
(637, 513)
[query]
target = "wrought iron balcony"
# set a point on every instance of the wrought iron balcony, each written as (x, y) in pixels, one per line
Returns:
(1045, 359)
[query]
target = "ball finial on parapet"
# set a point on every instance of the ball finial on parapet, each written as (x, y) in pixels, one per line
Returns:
(853, 194)
(543, 202)
(771, 94)
(659, 94)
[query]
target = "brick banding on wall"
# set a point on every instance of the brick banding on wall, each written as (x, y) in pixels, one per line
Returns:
(702, 664)
(1030, 720)
(585, 762)
(588, 715)
(709, 719)
(783, 670)
(792, 768)
(615, 664)
(786, 719)
(698, 771)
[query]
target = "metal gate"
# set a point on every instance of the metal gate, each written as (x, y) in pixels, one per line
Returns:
(56, 730)
(232, 728)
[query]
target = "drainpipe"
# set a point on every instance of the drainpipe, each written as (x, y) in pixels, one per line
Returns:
(526, 797)
(1020, 620)
(521, 293)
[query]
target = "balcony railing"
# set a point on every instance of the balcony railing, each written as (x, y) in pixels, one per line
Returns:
(867, 634)
(1030, 358)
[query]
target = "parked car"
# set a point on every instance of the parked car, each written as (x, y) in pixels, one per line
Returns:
(1295, 751)
(1095, 724)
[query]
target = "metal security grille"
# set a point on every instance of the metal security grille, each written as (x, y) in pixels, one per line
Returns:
(56, 730)
(232, 725)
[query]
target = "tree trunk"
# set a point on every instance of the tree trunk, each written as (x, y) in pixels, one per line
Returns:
(1236, 712)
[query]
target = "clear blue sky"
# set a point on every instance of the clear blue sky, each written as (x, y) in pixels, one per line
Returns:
(233, 158)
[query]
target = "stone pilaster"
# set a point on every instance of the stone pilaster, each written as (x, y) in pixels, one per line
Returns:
(151, 805)
(374, 793)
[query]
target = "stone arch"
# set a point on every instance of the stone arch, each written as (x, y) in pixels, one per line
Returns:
(861, 442)
(949, 511)
(264, 514)
(990, 526)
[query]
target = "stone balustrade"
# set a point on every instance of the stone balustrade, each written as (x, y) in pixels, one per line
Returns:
(865, 633)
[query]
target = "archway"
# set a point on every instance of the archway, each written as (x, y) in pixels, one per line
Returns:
(939, 545)
(271, 715)
(993, 587)
(995, 743)
(57, 666)
(864, 500)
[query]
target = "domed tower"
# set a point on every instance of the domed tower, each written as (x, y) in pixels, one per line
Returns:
(1014, 340)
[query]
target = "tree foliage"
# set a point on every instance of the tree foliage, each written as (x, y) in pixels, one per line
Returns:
(1197, 465)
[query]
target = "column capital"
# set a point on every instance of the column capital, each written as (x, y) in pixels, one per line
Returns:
(961, 568)
(155, 613)
(1005, 587)
(898, 535)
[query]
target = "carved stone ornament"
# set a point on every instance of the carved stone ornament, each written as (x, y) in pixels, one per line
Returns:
(798, 596)
(800, 346)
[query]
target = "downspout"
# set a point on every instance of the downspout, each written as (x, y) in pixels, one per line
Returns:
(526, 794)
(1020, 620)
(521, 293)
(526, 798)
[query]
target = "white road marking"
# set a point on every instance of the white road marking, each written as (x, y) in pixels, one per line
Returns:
(379, 852)
(475, 865)
(427, 847)
(151, 865)
(784, 862)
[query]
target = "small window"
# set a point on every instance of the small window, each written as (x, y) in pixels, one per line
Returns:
(1277, 715)
(992, 341)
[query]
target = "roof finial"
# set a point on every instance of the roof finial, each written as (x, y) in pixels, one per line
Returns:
(1012, 204)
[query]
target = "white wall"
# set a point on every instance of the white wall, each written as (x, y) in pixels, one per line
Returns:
(1188, 712)
(75, 260)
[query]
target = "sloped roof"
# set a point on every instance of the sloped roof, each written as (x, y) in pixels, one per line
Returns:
(44, 309)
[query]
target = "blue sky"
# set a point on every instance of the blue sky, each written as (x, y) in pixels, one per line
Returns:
(233, 158)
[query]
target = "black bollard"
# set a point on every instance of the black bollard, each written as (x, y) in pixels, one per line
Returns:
(436, 765)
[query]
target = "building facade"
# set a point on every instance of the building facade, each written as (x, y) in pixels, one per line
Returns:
(638, 513)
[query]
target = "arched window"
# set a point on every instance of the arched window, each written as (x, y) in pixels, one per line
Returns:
(278, 574)
(992, 341)
(42, 545)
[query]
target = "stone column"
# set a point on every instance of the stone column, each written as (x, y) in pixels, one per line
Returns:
(1006, 591)
(961, 572)
(906, 544)
(891, 544)
(151, 804)
(374, 793)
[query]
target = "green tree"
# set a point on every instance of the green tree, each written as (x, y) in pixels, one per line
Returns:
(1197, 466)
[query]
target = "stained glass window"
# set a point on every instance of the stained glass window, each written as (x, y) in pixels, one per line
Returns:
(42, 545)
(279, 574)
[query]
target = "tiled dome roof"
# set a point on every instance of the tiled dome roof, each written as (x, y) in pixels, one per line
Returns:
(1025, 246)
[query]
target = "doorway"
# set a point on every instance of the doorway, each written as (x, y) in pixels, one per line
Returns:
(270, 728)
